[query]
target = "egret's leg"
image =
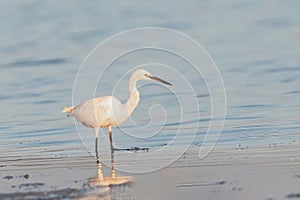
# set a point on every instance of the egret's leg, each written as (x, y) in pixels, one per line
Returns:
(110, 138)
(96, 145)
(96, 132)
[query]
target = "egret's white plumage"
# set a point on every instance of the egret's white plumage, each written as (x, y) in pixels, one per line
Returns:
(108, 111)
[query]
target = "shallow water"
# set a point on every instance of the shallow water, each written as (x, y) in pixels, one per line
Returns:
(255, 46)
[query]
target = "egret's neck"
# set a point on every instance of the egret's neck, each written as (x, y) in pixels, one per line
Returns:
(134, 97)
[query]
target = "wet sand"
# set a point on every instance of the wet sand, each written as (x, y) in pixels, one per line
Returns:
(270, 172)
(228, 172)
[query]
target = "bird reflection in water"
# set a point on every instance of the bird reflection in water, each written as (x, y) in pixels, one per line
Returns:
(109, 187)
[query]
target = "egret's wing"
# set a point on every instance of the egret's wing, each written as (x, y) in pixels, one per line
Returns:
(97, 112)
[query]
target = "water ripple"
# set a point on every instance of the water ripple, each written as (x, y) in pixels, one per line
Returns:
(35, 62)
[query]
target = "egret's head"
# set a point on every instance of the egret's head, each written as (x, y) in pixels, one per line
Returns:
(143, 74)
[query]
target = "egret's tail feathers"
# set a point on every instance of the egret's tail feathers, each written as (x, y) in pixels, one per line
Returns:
(68, 110)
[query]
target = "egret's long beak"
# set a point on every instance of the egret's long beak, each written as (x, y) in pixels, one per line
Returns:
(158, 79)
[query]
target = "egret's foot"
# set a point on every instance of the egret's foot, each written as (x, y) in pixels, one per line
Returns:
(135, 149)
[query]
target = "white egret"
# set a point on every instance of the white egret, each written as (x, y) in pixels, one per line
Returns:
(108, 111)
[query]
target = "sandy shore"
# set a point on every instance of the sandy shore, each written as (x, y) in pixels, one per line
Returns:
(228, 172)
